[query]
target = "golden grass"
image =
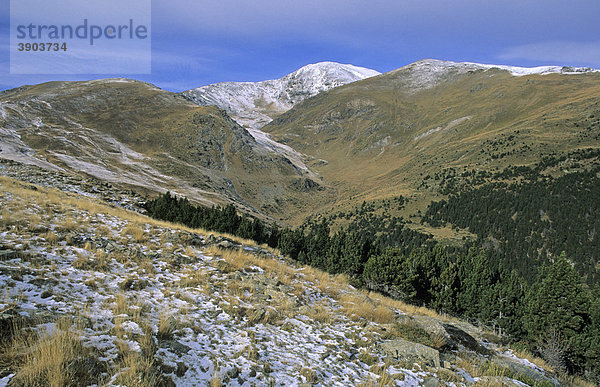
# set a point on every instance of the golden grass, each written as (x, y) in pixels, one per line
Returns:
(167, 325)
(43, 359)
(382, 312)
(321, 312)
(358, 305)
(92, 260)
(68, 224)
(215, 381)
(137, 371)
(51, 237)
(135, 232)
(65, 201)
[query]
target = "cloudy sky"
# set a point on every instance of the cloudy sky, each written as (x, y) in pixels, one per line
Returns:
(198, 42)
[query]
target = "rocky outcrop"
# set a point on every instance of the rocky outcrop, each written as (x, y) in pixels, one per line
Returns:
(400, 349)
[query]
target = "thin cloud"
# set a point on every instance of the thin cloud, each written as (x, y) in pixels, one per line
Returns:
(556, 52)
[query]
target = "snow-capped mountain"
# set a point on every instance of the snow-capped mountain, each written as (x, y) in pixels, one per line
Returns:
(254, 104)
(427, 73)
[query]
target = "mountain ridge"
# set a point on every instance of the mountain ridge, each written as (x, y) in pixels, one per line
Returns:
(136, 135)
(254, 104)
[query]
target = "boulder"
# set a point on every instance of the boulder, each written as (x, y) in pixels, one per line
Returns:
(407, 350)
(519, 368)
(462, 339)
(228, 244)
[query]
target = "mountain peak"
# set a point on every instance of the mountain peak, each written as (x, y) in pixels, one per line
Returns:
(254, 104)
(427, 73)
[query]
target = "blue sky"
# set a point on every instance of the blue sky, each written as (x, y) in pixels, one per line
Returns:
(198, 42)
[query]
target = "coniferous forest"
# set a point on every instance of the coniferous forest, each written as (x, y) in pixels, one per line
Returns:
(531, 275)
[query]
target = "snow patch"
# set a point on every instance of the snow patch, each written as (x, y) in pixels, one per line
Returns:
(254, 104)
(450, 125)
(427, 73)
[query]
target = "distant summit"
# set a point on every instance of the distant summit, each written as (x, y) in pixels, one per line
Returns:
(427, 73)
(255, 104)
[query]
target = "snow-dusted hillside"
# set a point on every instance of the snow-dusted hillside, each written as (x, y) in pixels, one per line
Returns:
(427, 73)
(254, 104)
(95, 295)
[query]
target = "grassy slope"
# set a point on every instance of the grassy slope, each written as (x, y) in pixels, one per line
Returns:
(370, 139)
(209, 156)
(169, 289)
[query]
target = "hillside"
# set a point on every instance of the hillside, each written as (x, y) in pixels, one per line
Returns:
(386, 136)
(94, 294)
(135, 135)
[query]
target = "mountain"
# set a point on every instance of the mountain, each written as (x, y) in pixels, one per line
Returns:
(506, 158)
(382, 136)
(254, 104)
(136, 135)
(467, 188)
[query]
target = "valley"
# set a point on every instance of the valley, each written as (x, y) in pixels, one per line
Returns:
(334, 226)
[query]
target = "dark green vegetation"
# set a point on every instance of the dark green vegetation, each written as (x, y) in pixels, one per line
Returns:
(461, 281)
(524, 223)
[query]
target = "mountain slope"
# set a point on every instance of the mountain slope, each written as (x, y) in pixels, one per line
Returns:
(136, 135)
(254, 104)
(120, 299)
(385, 135)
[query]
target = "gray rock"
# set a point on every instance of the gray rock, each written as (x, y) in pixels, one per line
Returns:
(519, 368)
(407, 350)
(174, 346)
(228, 245)
(7, 254)
(462, 338)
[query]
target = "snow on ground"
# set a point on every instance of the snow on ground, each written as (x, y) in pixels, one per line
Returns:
(253, 104)
(126, 277)
(427, 73)
(142, 287)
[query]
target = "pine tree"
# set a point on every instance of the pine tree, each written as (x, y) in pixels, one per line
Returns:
(558, 301)
(391, 273)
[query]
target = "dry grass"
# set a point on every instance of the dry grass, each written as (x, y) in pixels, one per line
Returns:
(234, 257)
(321, 312)
(576, 381)
(438, 340)
(358, 305)
(166, 326)
(88, 260)
(68, 224)
(137, 371)
(134, 231)
(325, 282)
(44, 358)
(59, 201)
(51, 237)
(309, 374)
(195, 279)
(263, 315)
(215, 381)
